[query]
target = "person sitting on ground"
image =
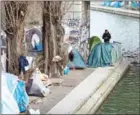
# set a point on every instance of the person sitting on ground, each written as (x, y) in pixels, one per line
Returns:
(106, 36)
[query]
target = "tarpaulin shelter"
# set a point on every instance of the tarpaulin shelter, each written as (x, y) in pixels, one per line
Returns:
(78, 61)
(93, 41)
(104, 54)
(115, 4)
(13, 88)
(100, 55)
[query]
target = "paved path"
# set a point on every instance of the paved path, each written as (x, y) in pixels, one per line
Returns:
(120, 11)
(59, 92)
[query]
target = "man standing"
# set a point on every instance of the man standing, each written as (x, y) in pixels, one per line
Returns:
(106, 36)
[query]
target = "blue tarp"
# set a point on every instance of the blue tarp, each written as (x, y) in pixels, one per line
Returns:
(21, 96)
(16, 89)
(135, 5)
(78, 61)
(8, 103)
(107, 3)
(100, 55)
(116, 4)
(112, 4)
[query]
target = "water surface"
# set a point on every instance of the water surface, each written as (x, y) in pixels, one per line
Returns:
(122, 28)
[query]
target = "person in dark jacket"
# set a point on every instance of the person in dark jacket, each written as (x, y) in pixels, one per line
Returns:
(23, 62)
(106, 36)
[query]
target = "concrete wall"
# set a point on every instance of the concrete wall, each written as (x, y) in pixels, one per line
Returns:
(85, 29)
(90, 93)
(34, 14)
(79, 11)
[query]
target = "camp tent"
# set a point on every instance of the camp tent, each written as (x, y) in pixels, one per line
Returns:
(115, 4)
(93, 41)
(106, 3)
(14, 96)
(104, 54)
(135, 5)
(100, 55)
(78, 61)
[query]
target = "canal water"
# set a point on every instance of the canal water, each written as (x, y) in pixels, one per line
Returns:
(125, 97)
(122, 28)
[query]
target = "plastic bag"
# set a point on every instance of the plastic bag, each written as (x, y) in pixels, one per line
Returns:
(36, 86)
(66, 70)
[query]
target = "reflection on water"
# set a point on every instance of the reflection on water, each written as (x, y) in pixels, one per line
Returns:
(123, 29)
(125, 98)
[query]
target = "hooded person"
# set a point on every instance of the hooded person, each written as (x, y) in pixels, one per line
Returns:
(106, 36)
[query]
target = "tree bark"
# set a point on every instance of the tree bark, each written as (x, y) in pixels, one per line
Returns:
(46, 35)
(15, 34)
(53, 34)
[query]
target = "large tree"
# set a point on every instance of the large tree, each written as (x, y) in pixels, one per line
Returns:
(53, 33)
(13, 23)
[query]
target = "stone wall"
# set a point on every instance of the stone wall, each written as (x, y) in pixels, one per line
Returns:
(34, 14)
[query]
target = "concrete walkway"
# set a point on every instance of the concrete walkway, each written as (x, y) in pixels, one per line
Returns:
(59, 92)
(79, 95)
(91, 92)
(120, 11)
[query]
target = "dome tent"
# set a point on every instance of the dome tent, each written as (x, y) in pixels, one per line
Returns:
(78, 61)
(93, 41)
(104, 54)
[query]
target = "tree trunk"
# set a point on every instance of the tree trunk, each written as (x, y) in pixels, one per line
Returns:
(15, 48)
(15, 34)
(53, 37)
(46, 35)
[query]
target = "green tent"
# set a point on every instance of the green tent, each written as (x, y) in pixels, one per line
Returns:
(93, 41)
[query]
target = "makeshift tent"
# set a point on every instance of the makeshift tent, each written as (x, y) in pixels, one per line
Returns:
(93, 41)
(122, 4)
(21, 96)
(8, 103)
(107, 3)
(135, 5)
(103, 54)
(115, 4)
(100, 55)
(78, 61)
(16, 90)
